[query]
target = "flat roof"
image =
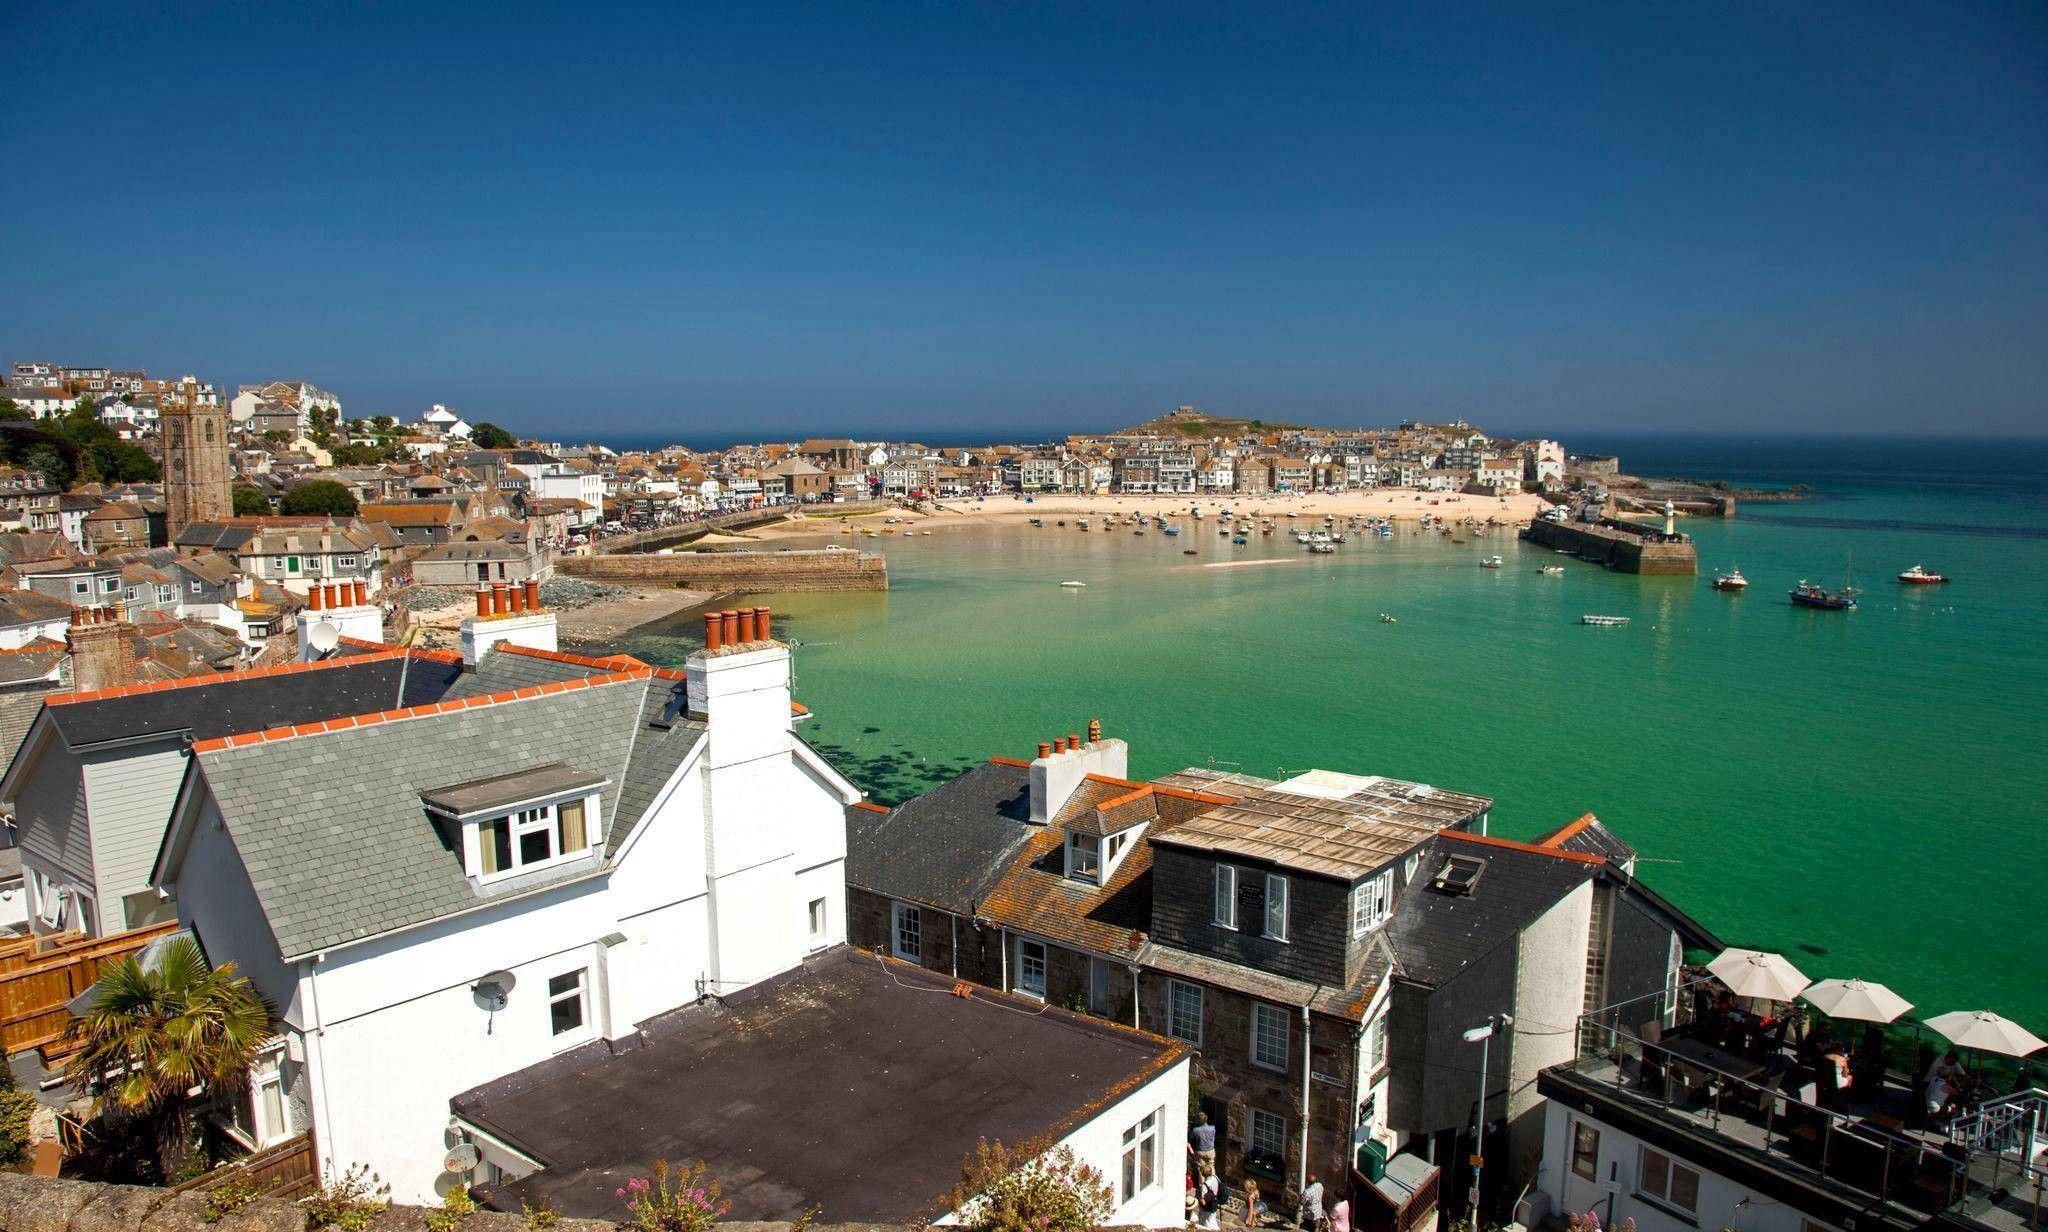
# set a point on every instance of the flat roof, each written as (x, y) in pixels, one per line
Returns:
(1322, 822)
(854, 1084)
(503, 790)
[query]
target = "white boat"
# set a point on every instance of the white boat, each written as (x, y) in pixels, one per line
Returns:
(1603, 621)
(1731, 580)
(1075, 585)
(1491, 562)
(1553, 570)
(1386, 619)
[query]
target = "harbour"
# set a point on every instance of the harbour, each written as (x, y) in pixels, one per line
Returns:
(1728, 731)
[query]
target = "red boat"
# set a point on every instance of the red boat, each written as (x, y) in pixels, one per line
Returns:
(1916, 576)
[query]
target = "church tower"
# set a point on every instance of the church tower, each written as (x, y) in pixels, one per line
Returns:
(195, 436)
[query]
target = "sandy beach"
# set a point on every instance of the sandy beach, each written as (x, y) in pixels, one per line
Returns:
(1397, 503)
(618, 611)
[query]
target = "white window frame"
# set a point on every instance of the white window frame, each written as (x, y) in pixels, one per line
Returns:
(1256, 1126)
(81, 586)
(533, 819)
(1372, 901)
(1672, 964)
(1141, 1157)
(901, 914)
(1276, 897)
(1574, 1155)
(1672, 1167)
(1174, 1020)
(818, 919)
(1024, 961)
(580, 994)
(265, 1076)
(1077, 845)
(1223, 898)
(1263, 1012)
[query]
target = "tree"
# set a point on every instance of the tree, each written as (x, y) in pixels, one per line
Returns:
(9, 410)
(322, 420)
(277, 436)
(491, 436)
(153, 1033)
(51, 464)
(250, 503)
(318, 496)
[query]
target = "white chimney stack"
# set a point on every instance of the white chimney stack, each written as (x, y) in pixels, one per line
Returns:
(1062, 765)
(343, 606)
(507, 612)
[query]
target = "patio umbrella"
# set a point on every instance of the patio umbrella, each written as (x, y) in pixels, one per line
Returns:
(1753, 973)
(1856, 999)
(1987, 1032)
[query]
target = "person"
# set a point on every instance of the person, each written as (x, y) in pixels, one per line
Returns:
(1949, 1069)
(1202, 1141)
(1340, 1216)
(1209, 1201)
(1311, 1208)
(1253, 1207)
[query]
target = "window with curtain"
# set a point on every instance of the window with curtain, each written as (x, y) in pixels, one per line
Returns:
(1276, 906)
(535, 837)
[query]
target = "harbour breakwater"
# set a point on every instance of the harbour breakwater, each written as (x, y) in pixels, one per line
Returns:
(743, 572)
(741, 519)
(1622, 546)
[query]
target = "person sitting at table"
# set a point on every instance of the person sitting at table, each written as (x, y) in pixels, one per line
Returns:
(1949, 1069)
(1834, 1079)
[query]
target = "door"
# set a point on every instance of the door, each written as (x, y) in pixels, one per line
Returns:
(291, 565)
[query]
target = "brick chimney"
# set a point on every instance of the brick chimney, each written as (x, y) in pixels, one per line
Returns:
(102, 654)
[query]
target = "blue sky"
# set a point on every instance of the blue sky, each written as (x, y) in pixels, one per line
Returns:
(764, 220)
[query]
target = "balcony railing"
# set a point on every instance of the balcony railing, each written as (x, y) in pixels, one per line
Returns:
(1871, 1153)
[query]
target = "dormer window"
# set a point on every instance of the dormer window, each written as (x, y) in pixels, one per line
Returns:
(1084, 857)
(1372, 901)
(521, 822)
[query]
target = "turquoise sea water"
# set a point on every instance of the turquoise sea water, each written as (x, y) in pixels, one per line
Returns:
(1862, 791)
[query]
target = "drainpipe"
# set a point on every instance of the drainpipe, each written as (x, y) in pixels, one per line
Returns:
(1134, 996)
(320, 1047)
(953, 923)
(1307, 1064)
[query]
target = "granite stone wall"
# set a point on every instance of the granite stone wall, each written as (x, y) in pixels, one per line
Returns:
(748, 572)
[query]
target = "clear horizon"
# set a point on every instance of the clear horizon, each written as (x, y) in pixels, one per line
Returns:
(953, 220)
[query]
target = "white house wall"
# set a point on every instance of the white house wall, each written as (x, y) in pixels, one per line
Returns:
(1723, 1203)
(1099, 1143)
(1550, 993)
(130, 792)
(235, 929)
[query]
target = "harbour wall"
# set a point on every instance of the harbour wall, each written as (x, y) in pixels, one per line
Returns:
(1629, 549)
(750, 572)
(743, 519)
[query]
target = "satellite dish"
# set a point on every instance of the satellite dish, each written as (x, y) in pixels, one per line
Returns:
(493, 989)
(324, 636)
(462, 1157)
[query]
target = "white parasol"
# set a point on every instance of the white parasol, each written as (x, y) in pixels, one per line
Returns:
(1753, 973)
(1856, 999)
(1982, 1029)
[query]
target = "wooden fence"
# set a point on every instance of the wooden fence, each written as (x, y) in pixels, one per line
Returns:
(40, 976)
(285, 1169)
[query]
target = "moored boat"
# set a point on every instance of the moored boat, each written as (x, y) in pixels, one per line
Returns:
(1813, 594)
(1610, 622)
(1916, 576)
(1491, 562)
(1552, 570)
(1731, 580)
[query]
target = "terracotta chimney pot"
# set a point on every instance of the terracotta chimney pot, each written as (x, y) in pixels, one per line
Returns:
(746, 626)
(714, 631)
(761, 625)
(731, 620)
(533, 594)
(1044, 749)
(483, 599)
(516, 596)
(1074, 740)
(1095, 731)
(316, 598)
(362, 589)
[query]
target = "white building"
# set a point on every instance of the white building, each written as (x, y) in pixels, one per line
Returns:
(510, 875)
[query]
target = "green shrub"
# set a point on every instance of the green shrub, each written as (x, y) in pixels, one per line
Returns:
(539, 1218)
(229, 1197)
(349, 1203)
(455, 1207)
(16, 1107)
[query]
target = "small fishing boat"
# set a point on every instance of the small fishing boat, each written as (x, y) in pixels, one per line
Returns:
(1608, 622)
(1323, 548)
(1813, 594)
(1173, 530)
(1731, 580)
(1386, 619)
(1491, 562)
(1552, 570)
(1074, 585)
(1916, 576)
(1189, 552)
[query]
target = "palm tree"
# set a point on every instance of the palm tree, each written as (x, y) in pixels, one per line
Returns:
(161, 1025)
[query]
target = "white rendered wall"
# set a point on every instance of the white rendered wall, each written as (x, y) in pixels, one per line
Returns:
(1099, 1143)
(1721, 1200)
(1550, 993)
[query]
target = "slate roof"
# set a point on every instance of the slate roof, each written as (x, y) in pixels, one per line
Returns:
(26, 607)
(948, 847)
(337, 856)
(19, 706)
(849, 1084)
(1435, 934)
(1589, 836)
(209, 706)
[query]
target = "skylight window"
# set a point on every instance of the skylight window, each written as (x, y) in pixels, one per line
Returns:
(1458, 875)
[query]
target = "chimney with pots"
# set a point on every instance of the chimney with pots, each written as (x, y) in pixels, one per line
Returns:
(346, 607)
(1065, 762)
(102, 650)
(741, 681)
(507, 613)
